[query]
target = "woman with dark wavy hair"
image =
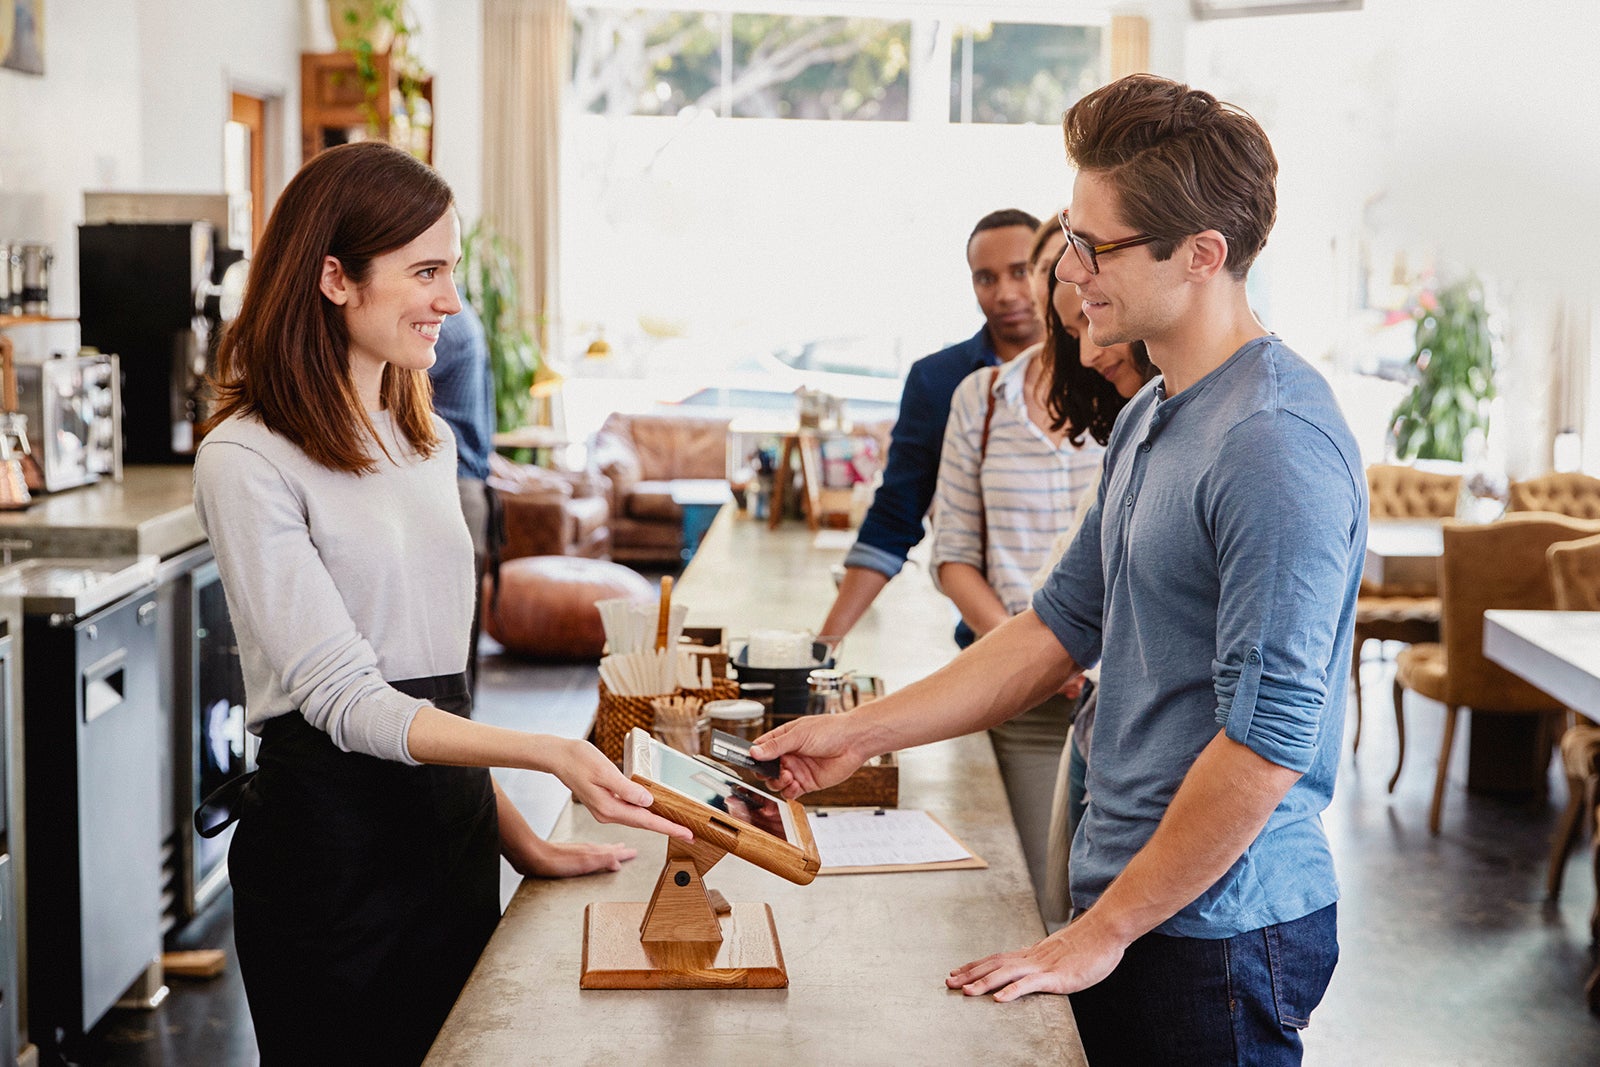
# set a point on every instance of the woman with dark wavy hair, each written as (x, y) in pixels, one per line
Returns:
(365, 866)
(1089, 385)
(1021, 453)
(1123, 370)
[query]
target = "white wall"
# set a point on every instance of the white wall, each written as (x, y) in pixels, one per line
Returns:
(141, 109)
(144, 108)
(452, 47)
(1461, 130)
(78, 126)
(192, 54)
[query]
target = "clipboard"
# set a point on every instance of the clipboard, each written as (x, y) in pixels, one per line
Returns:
(972, 861)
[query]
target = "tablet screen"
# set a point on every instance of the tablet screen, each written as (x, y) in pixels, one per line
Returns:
(718, 789)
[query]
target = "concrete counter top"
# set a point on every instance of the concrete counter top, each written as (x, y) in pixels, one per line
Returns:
(150, 513)
(866, 953)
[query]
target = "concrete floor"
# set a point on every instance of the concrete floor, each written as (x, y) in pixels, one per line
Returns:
(1450, 954)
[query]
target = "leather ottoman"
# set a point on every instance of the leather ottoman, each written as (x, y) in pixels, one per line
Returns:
(545, 608)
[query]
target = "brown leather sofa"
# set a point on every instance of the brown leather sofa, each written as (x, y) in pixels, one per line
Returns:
(551, 513)
(641, 456)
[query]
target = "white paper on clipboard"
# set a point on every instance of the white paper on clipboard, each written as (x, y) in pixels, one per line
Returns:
(894, 837)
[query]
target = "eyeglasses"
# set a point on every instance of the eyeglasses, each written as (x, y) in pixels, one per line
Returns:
(1088, 254)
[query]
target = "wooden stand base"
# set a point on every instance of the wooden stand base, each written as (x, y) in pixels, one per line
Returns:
(684, 937)
(747, 957)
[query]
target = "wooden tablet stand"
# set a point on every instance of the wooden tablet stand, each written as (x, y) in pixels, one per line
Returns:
(684, 937)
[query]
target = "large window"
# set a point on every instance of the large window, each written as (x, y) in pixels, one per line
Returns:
(1023, 72)
(763, 199)
(740, 64)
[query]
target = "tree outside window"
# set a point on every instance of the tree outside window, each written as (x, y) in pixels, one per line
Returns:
(1023, 72)
(746, 65)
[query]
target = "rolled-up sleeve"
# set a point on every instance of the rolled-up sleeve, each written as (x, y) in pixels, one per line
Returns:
(1284, 557)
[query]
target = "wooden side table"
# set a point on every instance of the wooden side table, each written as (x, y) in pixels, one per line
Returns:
(540, 440)
(806, 447)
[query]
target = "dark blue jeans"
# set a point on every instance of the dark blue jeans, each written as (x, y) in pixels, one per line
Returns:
(1238, 1000)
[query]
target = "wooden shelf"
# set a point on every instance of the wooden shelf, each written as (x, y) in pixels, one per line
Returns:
(333, 105)
(8, 321)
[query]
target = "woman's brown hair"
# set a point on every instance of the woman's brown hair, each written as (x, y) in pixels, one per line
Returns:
(1079, 398)
(1050, 227)
(286, 358)
(1181, 162)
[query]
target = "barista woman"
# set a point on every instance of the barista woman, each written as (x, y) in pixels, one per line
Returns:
(365, 865)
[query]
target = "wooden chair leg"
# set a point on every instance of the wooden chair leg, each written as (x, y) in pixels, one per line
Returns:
(1355, 684)
(1450, 715)
(1594, 915)
(1566, 836)
(1400, 730)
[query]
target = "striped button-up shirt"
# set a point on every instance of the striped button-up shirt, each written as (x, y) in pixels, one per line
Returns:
(1023, 488)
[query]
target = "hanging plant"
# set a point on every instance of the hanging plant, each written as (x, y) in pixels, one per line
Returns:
(1453, 366)
(491, 284)
(368, 29)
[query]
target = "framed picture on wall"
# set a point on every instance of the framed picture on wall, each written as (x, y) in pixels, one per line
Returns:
(22, 35)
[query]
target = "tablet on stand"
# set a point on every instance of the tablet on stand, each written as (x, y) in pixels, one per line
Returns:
(686, 936)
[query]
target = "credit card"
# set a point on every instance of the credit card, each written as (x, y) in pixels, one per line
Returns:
(736, 752)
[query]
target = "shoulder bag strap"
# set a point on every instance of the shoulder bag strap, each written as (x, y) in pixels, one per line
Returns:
(983, 452)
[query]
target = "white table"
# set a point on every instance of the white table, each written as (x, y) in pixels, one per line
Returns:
(1404, 554)
(1558, 651)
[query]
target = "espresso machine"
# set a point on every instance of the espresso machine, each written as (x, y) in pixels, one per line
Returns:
(158, 295)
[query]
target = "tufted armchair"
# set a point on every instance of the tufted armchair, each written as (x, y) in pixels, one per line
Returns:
(550, 513)
(1408, 493)
(1496, 565)
(1577, 495)
(1575, 574)
(1395, 614)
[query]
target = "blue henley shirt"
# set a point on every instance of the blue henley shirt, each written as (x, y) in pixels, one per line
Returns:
(1215, 579)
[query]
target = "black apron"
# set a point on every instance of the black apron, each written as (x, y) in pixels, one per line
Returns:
(364, 891)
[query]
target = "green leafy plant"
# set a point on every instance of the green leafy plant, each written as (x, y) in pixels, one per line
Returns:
(1454, 369)
(369, 28)
(490, 278)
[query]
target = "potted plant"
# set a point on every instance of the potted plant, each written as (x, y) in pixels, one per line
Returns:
(370, 28)
(491, 285)
(1454, 370)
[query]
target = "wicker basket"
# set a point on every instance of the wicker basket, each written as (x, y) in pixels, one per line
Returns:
(618, 714)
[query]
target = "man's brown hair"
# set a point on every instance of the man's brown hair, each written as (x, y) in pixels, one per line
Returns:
(1181, 162)
(286, 358)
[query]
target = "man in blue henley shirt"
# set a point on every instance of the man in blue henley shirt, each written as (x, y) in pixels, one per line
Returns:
(1215, 580)
(997, 255)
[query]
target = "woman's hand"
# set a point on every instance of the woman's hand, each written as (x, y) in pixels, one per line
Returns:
(610, 797)
(568, 859)
(533, 857)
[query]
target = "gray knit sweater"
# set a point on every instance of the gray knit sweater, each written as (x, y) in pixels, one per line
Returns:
(335, 581)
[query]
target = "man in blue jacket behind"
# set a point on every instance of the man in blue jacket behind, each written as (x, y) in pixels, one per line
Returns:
(997, 254)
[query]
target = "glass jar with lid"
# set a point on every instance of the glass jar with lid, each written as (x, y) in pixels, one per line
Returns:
(745, 719)
(831, 692)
